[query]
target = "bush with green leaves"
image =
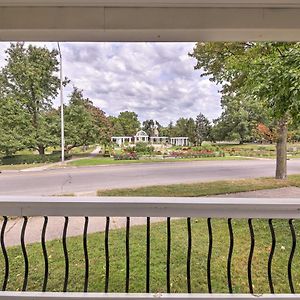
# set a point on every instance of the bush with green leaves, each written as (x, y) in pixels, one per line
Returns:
(197, 154)
(206, 147)
(126, 156)
(141, 148)
(32, 159)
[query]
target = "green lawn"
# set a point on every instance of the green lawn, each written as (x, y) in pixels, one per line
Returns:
(178, 252)
(79, 150)
(110, 161)
(252, 146)
(205, 188)
(19, 167)
(258, 150)
(158, 259)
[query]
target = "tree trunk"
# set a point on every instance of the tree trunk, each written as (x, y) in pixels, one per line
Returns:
(68, 148)
(281, 150)
(7, 152)
(41, 150)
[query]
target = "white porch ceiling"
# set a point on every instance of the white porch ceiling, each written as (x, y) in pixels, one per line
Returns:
(149, 20)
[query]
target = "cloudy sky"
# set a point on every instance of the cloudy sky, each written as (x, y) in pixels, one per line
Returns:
(156, 80)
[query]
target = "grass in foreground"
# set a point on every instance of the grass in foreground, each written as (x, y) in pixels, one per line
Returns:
(110, 161)
(205, 188)
(158, 259)
(178, 251)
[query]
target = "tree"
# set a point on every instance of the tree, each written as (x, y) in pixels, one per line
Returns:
(13, 125)
(103, 125)
(203, 129)
(85, 124)
(191, 130)
(148, 126)
(117, 129)
(239, 119)
(30, 78)
(265, 133)
(265, 72)
(168, 130)
(129, 122)
(185, 127)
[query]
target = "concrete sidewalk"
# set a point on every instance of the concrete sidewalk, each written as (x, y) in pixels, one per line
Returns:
(56, 224)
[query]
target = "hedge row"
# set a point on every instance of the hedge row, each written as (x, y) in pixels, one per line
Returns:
(196, 154)
(32, 159)
(126, 156)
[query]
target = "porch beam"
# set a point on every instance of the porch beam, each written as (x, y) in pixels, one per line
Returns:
(149, 21)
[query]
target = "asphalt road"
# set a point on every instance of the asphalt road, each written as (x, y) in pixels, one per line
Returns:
(89, 179)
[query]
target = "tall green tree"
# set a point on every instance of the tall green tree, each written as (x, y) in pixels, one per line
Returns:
(167, 130)
(267, 72)
(202, 128)
(85, 124)
(103, 125)
(239, 119)
(13, 126)
(185, 127)
(129, 122)
(148, 126)
(117, 129)
(30, 77)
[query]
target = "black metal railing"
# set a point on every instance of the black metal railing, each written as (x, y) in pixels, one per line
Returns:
(129, 281)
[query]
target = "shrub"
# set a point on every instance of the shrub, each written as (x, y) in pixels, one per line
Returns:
(196, 154)
(56, 152)
(181, 148)
(32, 159)
(141, 148)
(250, 152)
(206, 147)
(126, 156)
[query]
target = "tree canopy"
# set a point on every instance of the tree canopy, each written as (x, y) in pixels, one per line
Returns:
(28, 118)
(30, 78)
(129, 122)
(202, 128)
(264, 74)
(85, 123)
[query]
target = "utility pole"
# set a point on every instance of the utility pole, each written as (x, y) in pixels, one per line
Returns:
(62, 123)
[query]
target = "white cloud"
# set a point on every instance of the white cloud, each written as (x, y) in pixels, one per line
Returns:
(156, 80)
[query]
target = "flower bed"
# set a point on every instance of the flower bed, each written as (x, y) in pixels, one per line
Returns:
(126, 156)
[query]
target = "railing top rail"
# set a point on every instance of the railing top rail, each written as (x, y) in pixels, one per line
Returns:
(151, 207)
(111, 296)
